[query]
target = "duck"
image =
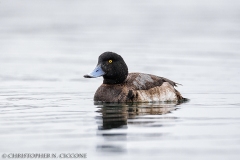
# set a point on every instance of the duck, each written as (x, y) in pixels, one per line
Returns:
(120, 86)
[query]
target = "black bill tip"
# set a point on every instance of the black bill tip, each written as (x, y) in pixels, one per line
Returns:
(87, 76)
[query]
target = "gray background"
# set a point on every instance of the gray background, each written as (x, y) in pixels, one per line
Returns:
(47, 46)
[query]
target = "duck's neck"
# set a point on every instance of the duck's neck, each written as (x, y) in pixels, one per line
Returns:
(117, 78)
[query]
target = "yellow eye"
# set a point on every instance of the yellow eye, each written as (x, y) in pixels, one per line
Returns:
(110, 61)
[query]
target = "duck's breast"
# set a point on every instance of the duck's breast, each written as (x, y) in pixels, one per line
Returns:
(111, 93)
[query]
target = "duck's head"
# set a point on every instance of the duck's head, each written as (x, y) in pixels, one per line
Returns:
(112, 67)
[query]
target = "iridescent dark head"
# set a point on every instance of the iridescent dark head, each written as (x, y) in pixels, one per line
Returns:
(112, 67)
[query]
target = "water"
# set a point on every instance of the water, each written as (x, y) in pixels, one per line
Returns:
(47, 106)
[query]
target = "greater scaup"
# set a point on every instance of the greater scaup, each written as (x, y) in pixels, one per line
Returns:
(121, 86)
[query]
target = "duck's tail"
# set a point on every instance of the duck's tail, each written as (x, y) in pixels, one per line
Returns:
(180, 98)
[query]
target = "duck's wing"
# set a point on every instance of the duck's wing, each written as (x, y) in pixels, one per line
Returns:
(142, 81)
(174, 84)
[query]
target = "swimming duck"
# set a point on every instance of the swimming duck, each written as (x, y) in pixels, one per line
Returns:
(121, 86)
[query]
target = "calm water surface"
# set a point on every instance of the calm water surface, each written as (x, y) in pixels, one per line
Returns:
(46, 106)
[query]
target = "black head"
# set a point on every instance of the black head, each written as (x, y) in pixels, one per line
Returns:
(112, 67)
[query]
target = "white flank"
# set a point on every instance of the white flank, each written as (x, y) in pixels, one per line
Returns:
(165, 92)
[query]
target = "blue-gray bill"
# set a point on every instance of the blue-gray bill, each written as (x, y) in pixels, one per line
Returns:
(97, 72)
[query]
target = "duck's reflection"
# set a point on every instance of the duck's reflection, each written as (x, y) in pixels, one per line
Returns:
(116, 115)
